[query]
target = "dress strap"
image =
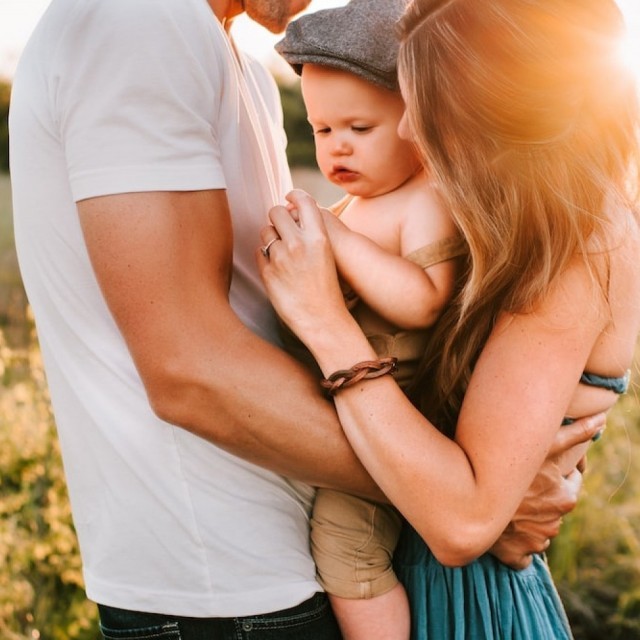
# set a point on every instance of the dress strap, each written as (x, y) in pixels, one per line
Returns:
(610, 383)
(439, 251)
(341, 205)
(617, 384)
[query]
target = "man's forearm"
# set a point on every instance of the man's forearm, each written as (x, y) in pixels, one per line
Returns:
(253, 400)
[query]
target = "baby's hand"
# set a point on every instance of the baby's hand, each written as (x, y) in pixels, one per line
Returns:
(332, 223)
(293, 211)
(290, 205)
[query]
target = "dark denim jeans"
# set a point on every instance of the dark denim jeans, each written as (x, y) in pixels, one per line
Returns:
(311, 620)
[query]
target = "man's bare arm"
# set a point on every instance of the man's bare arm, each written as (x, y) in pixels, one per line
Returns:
(163, 262)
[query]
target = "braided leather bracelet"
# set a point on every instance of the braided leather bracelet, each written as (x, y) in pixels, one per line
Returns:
(361, 371)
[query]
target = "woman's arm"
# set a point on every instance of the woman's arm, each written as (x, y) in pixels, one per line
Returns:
(460, 495)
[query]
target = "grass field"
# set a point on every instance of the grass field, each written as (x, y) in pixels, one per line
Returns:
(6, 227)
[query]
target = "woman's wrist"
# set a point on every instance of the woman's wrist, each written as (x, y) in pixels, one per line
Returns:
(365, 370)
(343, 350)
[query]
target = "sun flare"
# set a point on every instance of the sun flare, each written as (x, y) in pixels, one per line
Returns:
(629, 49)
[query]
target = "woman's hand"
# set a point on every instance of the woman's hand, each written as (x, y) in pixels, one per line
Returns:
(298, 269)
(553, 494)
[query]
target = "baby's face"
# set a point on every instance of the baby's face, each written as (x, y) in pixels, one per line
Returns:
(355, 126)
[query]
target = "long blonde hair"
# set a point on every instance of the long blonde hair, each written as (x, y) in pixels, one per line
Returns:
(528, 122)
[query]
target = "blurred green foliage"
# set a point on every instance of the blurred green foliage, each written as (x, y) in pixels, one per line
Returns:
(596, 558)
(41, 587)
(5, 92)
(300, 147)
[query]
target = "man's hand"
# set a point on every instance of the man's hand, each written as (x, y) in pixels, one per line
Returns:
(552, 495)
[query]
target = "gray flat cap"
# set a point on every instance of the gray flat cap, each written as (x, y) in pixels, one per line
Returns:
(359, 37)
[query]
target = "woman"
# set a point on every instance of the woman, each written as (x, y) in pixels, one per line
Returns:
(527, 121)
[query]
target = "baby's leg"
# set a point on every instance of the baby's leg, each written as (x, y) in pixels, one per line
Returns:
(385, 617)
(353, 542)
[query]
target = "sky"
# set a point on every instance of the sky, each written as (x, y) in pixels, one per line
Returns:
(19, 17)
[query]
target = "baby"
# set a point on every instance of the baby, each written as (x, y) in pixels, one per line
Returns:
(395, 249)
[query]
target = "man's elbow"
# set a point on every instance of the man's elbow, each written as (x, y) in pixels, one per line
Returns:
(173, 391)
(165, 405)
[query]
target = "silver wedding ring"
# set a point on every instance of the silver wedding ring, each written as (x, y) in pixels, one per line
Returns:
(265, 249)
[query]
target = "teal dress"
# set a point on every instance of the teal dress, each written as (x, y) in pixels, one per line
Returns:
(485, 600)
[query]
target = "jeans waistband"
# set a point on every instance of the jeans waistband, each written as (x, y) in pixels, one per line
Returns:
(115, 617)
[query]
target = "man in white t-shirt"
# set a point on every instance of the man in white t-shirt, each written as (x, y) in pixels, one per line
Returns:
(145, 154)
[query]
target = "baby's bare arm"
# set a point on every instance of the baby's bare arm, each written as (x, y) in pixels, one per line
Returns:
(395, 288)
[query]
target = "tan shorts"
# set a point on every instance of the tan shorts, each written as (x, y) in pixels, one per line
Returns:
(352, 541)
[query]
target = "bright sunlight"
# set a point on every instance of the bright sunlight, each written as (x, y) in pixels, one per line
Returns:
(630, 52)
(630, 46)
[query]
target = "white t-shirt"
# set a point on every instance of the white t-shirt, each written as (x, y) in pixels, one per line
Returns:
(131, 96)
